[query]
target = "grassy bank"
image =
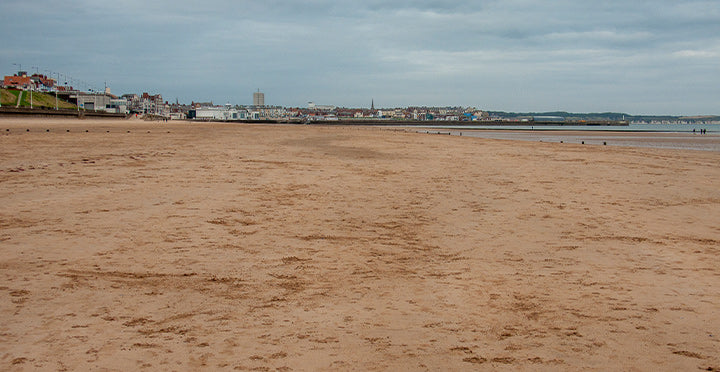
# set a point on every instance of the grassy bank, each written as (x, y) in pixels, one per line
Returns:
(9, 98)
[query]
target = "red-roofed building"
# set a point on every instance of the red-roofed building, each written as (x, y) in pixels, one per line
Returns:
(43, 83)
(36, 82)
(20, 81)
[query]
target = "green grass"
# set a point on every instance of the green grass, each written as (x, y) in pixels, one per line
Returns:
(9, 98)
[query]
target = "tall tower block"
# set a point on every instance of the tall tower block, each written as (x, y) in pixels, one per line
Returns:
(258, 98)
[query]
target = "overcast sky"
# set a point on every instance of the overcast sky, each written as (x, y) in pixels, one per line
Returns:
(633, 56)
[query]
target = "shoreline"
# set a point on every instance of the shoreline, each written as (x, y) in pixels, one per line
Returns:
(647, 139)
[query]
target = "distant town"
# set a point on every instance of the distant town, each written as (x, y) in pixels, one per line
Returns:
(37, 93)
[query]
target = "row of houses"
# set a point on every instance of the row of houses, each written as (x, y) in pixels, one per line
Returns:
(35, 82)
(313, 111)
(153, 104)
(146, 104)
(318, 112)
(95, 101)
(208, 111)
(126, 104)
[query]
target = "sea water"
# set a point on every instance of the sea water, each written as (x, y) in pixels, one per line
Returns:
(667, 128)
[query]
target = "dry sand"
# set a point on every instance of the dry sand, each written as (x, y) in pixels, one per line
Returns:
(240, 247)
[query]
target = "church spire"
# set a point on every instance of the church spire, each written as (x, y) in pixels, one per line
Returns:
(372, 104)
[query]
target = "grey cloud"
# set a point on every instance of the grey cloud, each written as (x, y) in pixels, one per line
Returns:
(494, 54)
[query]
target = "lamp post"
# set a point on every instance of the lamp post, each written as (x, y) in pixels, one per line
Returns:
(31, 94)
(94, 95)
(77, 93)
(33, 85)
(55, 87)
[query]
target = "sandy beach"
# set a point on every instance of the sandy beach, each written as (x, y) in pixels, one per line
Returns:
(176, 246)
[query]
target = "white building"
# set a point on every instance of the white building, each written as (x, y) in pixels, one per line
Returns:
(313, 106)
(219, 113)
(177, 116)
(118, 105)
(92, 101)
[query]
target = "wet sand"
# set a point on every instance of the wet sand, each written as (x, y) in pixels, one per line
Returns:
(661, 140)
(239, 247)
